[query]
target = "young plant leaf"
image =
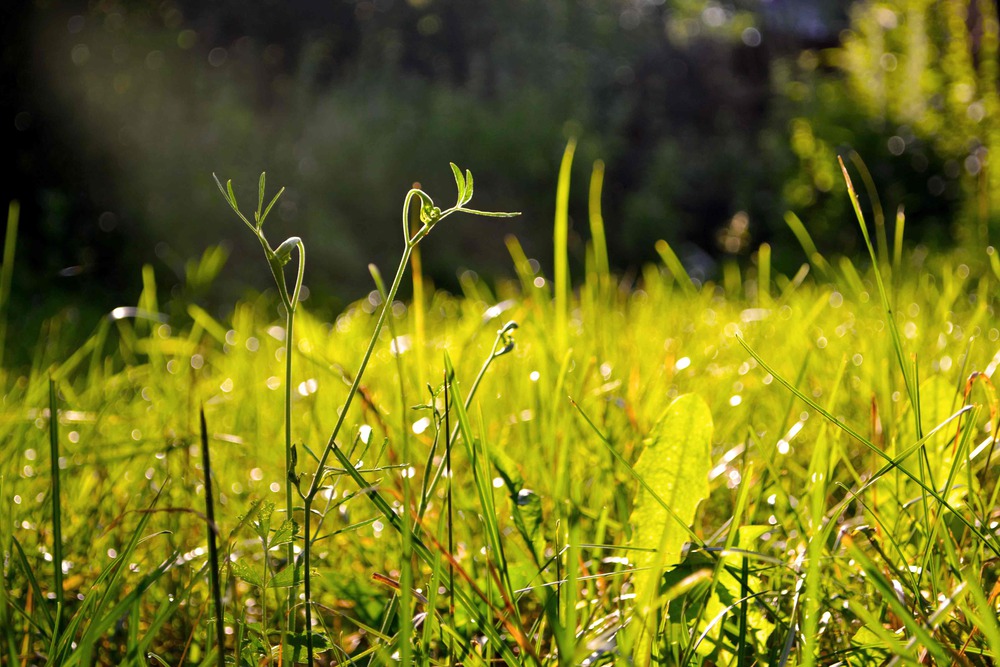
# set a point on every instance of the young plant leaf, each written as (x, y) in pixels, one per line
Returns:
(459, 183)
(675, 465)
(468, 187)
(284, 251)
(260, 196)
(244, 571)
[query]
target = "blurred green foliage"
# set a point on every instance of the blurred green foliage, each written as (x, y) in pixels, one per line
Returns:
(913, 89)
(356, 103)
(713, 118)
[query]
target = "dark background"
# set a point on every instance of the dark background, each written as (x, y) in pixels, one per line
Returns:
(114, 115)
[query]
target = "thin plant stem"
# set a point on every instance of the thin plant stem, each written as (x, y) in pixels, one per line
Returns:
(57, 549)
(213, 549)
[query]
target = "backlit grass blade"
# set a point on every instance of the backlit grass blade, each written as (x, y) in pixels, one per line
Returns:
(805, 240)
(597, 238)
(897, 341)
(882, 243)
(676, 267)
(561, 243)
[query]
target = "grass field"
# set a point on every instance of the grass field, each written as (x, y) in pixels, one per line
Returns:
(762, 469)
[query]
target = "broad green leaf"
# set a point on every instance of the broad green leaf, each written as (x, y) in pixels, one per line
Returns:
(295, 649)
(287, 578)
(244, 571)
(675, 467)
(284, 534)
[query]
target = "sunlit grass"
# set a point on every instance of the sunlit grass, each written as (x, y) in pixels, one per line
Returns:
(811, 548)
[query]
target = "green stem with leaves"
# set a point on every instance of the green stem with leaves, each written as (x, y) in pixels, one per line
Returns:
(430, 215)
(276, 260)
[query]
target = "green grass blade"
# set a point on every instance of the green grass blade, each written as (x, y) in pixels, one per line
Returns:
(676, 268)
(561, 285)
(597, 238)
(213, 535)
(897, 341)
(805, 240)
(7, 271)
(57, 545)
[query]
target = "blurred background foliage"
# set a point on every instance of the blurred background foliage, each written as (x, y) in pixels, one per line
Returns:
(714, 119)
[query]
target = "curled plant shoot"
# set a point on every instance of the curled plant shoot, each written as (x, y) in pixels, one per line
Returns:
(277, 258)
(430, 217)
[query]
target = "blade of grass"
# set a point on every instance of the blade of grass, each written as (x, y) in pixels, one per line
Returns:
(597, 238)
(676, 267)
(7, 272)
(213, 536)
(561, 241)
(55, 497)
(805, 240)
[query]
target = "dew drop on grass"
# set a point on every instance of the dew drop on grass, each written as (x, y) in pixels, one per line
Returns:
(682, 363)
(253, 344)
(910, 330)
(399, 345)
(275, 487)
(735, 400)
(308, 387)
(534, 376)
(273, 382)
(538, 282)
(136, 434)
(30, 454)
(231, 337)
(497, 482)
(28, 471)
(227, 385)
(17, 500)
(172, 366)
(197, 361)
(421, 425)
(365, 433)
(112, 553)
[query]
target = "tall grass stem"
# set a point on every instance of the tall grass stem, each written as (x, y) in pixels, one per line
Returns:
(213, 548)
